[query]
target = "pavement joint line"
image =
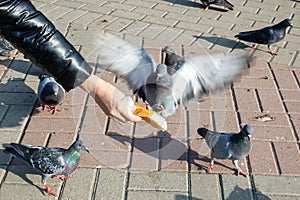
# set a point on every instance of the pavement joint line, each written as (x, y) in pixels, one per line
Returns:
(274, 153)
(258, 100)
(95, 185)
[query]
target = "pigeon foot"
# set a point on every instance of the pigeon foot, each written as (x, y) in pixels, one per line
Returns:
(50, 108)
(11, 56)
(273, 53)
(49, 191)
(210, 167)
(240, 172)
(205, 8)
(61, 177)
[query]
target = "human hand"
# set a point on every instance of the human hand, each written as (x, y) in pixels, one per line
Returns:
(112, 101)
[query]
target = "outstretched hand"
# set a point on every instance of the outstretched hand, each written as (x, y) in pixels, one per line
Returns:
(112, 101)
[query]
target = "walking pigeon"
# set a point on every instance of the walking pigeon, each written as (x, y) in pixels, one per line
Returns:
(224, 3)
(268, 35)
(50, 93)
(49, 162)
(233, 146)
(172, 60)
(197, 76)
(5, 48)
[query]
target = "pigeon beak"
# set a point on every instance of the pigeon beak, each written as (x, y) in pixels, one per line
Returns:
(87, 150)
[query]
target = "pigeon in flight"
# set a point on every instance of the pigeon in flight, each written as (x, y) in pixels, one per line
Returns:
(50, 93)
(223, 3)
(49, 162)
(197, 76)
(233, 146)
(268, 35)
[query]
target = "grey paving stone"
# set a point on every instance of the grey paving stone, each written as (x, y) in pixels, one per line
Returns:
(69, 4)
(119, 24)
(79, 184)
(2, 171)
(16, 117)
(165, 181)
(128, 15)
(7, 137)
(110, 184)
(278, 185)
(236, 187)
(153, 195)
(15, 85)
(205, 186)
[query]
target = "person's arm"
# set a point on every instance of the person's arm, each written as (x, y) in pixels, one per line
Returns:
(28, 30)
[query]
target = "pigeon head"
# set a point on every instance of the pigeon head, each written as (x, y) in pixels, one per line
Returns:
(168, 49)
(286, 23)
(247, 130)
(79, 146)
(43, 76)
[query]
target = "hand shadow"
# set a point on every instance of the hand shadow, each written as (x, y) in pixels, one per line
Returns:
(195, 5)
(224, 42)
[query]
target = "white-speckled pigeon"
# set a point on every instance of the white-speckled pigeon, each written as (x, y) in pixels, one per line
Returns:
(224, 3)
(233, 146)
(197, 76)
(49, 162)
(268, 35)
(50, 93)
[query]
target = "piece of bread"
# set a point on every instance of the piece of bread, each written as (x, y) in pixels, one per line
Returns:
(151, 117)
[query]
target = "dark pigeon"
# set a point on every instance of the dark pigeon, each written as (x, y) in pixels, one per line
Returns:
(50, 93)
(172, 60)
(49, 162)
(197, 76)
(224, 3)
(233, 146)
(268, 35)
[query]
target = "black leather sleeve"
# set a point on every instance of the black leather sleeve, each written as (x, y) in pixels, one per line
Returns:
(36, 37)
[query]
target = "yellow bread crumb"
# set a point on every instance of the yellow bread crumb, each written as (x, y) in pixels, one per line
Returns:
(151, 117)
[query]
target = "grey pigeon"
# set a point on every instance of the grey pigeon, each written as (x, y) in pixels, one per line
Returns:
(268, 35)
(5, 48)
(224, 3)
(49, 162)
(233, 146)
(172, 60)
(50, 93)
(197, 76)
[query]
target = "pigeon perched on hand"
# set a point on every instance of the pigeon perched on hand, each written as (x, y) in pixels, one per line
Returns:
(49, 162)
(172, 60)
(224, 3)
(233, 146)
(197, 76)
(268, 35)
(6, 48)
(50, 93)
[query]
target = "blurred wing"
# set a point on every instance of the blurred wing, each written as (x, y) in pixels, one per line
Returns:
(125, 60)
(205, 74)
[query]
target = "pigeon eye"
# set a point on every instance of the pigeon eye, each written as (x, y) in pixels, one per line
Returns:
(80, 145)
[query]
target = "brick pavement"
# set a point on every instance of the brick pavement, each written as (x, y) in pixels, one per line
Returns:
(135, 161)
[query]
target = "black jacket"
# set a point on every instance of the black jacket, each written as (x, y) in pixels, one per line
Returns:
(35, 36)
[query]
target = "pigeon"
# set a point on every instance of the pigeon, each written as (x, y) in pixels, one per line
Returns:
(197, 76)
(49, 162)
(224, 3)
(172, 60)
(268, 35)
(50, 93)
(5, 48)
(233, 146)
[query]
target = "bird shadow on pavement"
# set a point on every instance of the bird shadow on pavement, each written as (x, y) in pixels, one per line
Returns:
(240, 193)
(19, 169)
(169, 148)
(182, 197)
(195, 5)
(224, 42)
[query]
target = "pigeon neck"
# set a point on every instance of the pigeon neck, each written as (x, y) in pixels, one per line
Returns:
(72, 157)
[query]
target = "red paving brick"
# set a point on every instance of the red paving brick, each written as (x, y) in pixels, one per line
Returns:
(62, 139)
(289, 157)
(273, 133)
(270, 100)
(293, 107)
(94, 121)
(262, 158)
(291, 95)
(285, 79)
(246, 99)
(35, 138)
